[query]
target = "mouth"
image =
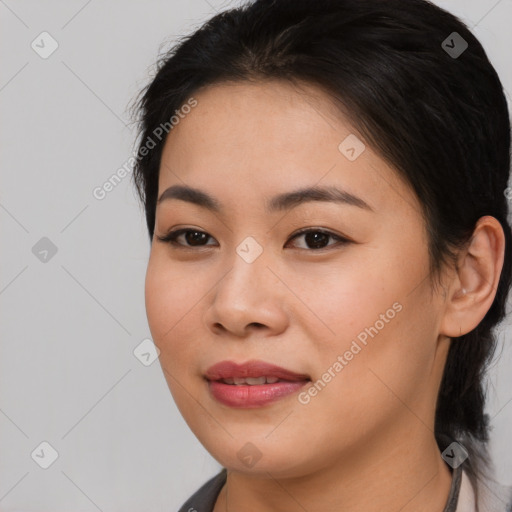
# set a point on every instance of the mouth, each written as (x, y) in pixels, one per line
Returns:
(252, 384)
(251, 381)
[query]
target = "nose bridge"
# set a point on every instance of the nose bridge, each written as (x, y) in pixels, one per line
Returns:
(249, 273)
(250, 250)
(247, 294)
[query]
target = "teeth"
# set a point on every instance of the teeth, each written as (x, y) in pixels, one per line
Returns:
(251, 381)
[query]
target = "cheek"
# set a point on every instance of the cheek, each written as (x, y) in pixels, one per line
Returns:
(379, 364)
(170, 300)
(375, 314)
(170, 306)
(349, 298)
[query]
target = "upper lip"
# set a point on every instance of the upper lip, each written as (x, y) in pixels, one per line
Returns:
(230, 370)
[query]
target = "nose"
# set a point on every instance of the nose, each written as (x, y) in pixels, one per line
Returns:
(248, 298)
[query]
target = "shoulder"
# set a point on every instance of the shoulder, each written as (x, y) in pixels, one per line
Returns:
(488, 495)
(203, 500)
(493, 496)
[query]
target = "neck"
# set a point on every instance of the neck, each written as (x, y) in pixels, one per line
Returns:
(405, 473)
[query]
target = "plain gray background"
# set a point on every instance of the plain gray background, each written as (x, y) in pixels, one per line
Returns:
(71, 319)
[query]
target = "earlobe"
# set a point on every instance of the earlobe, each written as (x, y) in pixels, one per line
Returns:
(474, 285)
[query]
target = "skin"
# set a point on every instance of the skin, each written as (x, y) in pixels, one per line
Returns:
(365, 441)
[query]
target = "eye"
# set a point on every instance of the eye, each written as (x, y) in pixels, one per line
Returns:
(314, 238)
(194, 237)
(318, 238)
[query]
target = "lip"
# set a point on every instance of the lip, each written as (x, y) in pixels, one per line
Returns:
(254, 368)
(252, 396)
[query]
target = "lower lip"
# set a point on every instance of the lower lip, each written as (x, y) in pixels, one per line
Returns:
(245, 396)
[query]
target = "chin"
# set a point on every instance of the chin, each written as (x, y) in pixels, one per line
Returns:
(255, 457)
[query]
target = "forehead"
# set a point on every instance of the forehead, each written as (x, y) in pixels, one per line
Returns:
(267, 136)
(237, 122)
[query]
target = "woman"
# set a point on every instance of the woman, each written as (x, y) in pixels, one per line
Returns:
(324, 185)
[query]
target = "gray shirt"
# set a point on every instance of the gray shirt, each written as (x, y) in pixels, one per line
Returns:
(462, 497)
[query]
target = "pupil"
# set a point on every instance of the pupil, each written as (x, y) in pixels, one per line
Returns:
(197, 238)
(312, 238)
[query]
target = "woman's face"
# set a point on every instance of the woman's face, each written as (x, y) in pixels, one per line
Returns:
(354, 319)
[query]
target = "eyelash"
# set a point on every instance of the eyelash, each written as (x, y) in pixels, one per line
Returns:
(171, 237)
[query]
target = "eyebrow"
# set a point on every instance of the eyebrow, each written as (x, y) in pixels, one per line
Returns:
(284, 201)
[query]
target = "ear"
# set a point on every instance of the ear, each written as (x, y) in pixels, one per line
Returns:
(473, 287)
